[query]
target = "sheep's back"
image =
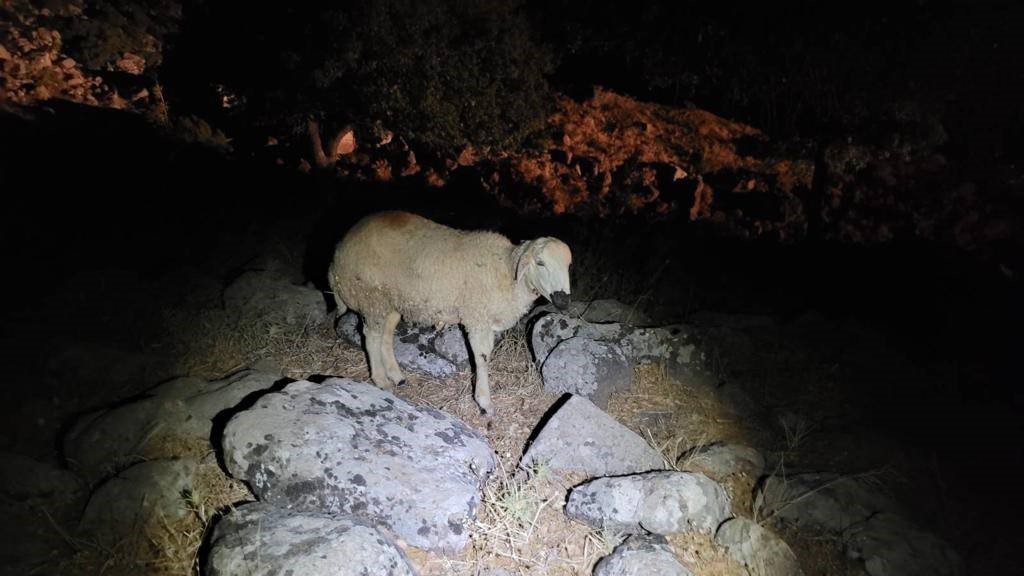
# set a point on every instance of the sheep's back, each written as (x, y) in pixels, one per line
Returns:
(427, 272)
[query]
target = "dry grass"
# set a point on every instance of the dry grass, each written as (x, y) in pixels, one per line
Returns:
(211, 344)
(818, 554)
(700, 554)
(521, 528)
(177, 545)
(675, 414)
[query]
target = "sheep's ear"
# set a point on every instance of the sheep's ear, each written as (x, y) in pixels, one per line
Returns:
(523, 257)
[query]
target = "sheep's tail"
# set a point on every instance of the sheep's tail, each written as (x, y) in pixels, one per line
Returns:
(342, 307)
(331, 280)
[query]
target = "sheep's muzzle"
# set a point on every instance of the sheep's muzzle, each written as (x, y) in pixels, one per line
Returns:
(560, 300)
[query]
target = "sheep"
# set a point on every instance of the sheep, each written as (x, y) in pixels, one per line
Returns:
(394, 265)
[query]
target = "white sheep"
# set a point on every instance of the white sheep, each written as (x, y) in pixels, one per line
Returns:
(392, 265)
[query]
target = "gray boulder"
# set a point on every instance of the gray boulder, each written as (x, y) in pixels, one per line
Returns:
(181, 410)
(347, 447)
(551, 329)
(604, 311)
(641, 555)
(821, 501)
(30, 545)
(720, 460)
(450, 344)
(270, 296)
(347, 327)
(261, 539)
(675, 345)
(28, 486)
(758, 549)
(587, 368)
(890, 545)
(580, 437)
(608, 310)
(141, 496)
(25, 479)
(424, 349)
(656, 502)
(420, 347)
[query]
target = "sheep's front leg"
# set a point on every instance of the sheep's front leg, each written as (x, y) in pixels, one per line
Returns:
(391, 367)
(373, 333)
(482, 342)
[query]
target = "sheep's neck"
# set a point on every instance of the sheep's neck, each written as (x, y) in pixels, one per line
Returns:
(525, 294)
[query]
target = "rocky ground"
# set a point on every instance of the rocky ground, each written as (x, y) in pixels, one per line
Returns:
(728, 444)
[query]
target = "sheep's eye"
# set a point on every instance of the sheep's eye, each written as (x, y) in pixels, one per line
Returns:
(539, 262)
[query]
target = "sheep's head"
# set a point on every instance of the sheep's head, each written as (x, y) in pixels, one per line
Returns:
(543, 264)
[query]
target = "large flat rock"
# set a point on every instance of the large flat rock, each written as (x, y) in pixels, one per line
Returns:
(348, 447)
(180, 410)
(592, 369)
(261, 539)
(758, 549)
(140, 497)
(641, 555)
(580, 437)
(656, 502)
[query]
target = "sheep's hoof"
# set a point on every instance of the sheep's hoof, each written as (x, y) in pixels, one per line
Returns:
(402, 382)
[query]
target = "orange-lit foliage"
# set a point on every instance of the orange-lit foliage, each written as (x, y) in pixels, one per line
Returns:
(614, 155)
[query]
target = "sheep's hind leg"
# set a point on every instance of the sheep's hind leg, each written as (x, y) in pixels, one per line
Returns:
(391, 367)
(373, 333)
(482, 342)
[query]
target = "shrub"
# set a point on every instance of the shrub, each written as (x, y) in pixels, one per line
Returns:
(107, 29)
(444, 74)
